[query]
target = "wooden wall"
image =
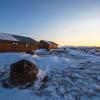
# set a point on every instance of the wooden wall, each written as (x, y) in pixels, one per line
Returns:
(49, 46)
(53, 46)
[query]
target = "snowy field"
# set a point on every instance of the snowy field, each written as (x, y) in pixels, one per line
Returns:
(72, 74)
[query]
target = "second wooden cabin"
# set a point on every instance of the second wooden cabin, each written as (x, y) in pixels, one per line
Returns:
(47, 45)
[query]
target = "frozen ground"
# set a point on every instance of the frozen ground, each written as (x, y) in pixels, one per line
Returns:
(72, 75)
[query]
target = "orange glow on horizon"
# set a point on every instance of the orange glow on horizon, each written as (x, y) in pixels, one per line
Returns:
(79, 44)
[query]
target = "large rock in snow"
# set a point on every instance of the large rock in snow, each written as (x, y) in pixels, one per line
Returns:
(22, 72)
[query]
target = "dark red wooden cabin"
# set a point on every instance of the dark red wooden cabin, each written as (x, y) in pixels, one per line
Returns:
(48, 44)
(15, 43)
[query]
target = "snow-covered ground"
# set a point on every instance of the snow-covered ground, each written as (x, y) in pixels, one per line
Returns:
(72, 75)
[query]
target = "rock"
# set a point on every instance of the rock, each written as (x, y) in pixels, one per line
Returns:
(22, 72)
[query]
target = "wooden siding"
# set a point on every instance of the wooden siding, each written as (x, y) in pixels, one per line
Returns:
(7, 46)
(53, 46)
(49, 46)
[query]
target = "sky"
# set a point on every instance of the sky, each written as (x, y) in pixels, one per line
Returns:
(66, 22)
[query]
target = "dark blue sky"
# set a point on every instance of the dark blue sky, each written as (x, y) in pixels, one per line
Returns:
(56, 20)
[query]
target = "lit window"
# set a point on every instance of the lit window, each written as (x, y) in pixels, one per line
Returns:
(14, 43)
(27, 45)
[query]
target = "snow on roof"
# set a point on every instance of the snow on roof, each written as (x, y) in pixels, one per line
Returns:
(24, 39)
(11, 37)
(6, 36)
(48, 42)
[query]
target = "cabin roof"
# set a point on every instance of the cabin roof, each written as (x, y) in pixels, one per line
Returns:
(47, 42)
(5, 36)
(24, 39)
(11, 37)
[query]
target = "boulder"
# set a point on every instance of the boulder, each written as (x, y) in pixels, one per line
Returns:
(22, 72)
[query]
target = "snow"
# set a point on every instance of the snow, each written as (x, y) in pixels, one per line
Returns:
(48, 42)
(16, 94)
(41, 52)
(72, 75)
(6, 36)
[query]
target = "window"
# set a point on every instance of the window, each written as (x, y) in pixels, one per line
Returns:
(27, 45)
(15, 44)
